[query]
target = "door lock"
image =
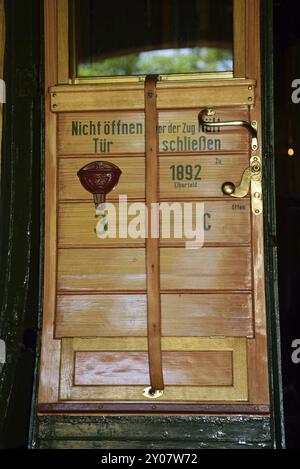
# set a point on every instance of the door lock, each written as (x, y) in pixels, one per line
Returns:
(251, 178)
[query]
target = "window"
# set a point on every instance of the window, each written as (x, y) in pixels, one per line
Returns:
(140, 37)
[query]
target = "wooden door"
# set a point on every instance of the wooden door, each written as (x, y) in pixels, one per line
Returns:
(210, 299)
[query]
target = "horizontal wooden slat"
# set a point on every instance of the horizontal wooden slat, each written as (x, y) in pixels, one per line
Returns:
(182, 315)
(80, 133)
(223, 222)
(124, 269)
(211, 172)
(131, 182)
(171, 94)
(131, 368)
(227, 314)
(124, 132)
(101, 269)
(77, 224)
(195, 96)
(97, 98)
(206, 268)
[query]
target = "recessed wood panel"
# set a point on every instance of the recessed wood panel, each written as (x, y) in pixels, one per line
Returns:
(222, 222)
(131, 368)
(181, 269)
(124, 132)
(227, 314)
(131, 182)
(237, 389)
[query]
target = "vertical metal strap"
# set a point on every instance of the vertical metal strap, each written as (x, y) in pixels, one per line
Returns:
(152, 242)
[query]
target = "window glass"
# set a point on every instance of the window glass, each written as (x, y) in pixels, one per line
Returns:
(139, 37)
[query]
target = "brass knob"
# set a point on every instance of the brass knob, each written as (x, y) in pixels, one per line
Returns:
(228, 188)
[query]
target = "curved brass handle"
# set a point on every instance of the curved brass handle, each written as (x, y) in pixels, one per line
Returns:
(228, 188)
(251, 126)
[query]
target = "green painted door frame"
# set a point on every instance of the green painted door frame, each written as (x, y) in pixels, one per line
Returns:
(21, 268)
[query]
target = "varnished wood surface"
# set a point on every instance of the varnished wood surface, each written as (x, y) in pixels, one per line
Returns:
(152, 240)
(227, 314)
(236, 347)
(222, 274)
(148, 408)
(258, 348)
(181, 269)
(223, 222)
(213, 172)
(51, 349)
(206, 268)
(239, 38)
(179, 368)
(171, 95)
(124, 132)
(63, 41)
(131, 182)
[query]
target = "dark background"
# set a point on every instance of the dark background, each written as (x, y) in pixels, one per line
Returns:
(287, 135)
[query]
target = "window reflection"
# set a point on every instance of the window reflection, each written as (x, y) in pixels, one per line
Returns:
(141, 37)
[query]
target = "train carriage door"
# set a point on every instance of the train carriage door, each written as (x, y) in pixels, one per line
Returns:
(154, 258)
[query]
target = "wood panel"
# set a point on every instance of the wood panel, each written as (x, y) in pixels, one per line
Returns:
(101, 269)
(131, 368)
(223, 222)
(124, 132)
(131, 183)
(51, 350)
(213, 171)
(113, 132)
(77, 225)
(173, 94)
(227, 314)
(63, 41)
(239, 38)
(206, 268)
(181, 269)
(258, 348)
(238, 391)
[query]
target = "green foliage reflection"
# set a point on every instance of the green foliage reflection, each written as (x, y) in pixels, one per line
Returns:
(162, 61)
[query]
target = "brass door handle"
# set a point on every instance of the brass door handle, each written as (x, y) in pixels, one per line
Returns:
(251, 126)
(251, 178)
